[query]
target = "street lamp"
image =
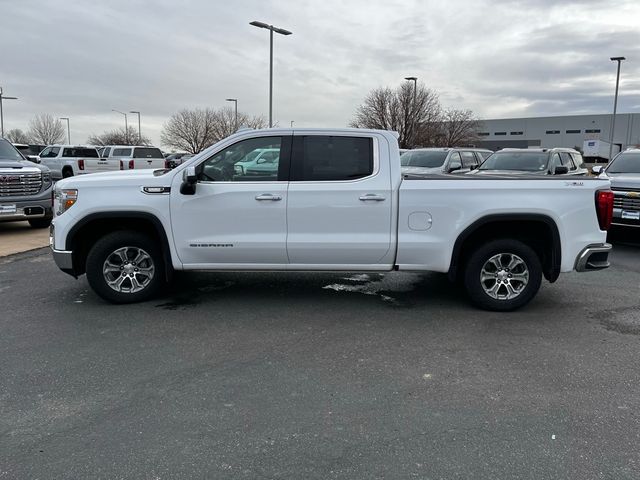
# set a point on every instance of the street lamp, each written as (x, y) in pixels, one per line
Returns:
(413, 121)
(139, 131)
(615, 104)
(68, 130)
(234, 100)
(2, 97)
(126, 126)
(291, 123)
(281, 31)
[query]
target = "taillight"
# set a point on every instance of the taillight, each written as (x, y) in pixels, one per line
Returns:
(121, 165)
(604, 208)
(130, 164)
(81, 164)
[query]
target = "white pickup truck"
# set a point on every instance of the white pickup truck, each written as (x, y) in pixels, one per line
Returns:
(334, 200)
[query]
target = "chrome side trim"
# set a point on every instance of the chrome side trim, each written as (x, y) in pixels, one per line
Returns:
(584, 263)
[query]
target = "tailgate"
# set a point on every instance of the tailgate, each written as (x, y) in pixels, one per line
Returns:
(93, 165)
(140, 163)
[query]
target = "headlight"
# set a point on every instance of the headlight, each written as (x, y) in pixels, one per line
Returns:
(46, 179)
(63, 200)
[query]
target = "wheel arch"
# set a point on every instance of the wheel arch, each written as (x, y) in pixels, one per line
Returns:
(539, 231)
(83, 235)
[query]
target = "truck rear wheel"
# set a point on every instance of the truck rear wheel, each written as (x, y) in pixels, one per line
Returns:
(125, 267)
(503, 275)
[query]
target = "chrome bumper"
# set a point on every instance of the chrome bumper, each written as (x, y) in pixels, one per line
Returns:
(63, 259)
(26, 213)
(593, 257)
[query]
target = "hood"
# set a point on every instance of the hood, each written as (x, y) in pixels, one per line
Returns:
(18, 165)
(117, 178)
(420, 170)
(518, 173)
(624, 180)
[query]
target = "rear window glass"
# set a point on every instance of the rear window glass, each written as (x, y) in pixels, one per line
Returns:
(121, 152)
(423, 158)
(80, 152)
(520, 161)
(334, 158)
(147, 153)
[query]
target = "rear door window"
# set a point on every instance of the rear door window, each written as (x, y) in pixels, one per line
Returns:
(468, 159)
(332, 158)
(567, 160)
(50, 152)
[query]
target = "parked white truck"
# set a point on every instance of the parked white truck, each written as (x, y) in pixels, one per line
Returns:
(335, 201)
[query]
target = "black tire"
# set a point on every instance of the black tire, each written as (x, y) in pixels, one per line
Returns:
(506, 289)
(67, 172)
(130, 244)
(40, 222)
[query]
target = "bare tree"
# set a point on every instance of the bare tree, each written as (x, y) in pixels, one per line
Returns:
(458, 128)
(17, 135)
(390, 109)
(118, 137)
(44, 128)
(195, 130)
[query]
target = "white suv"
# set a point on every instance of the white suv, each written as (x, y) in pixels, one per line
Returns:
(134, 157)
(69, 160)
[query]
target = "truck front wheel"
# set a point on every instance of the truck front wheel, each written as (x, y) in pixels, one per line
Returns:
(503, 275)
(125, 267)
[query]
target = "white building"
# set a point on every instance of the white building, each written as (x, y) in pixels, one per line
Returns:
(566, 131)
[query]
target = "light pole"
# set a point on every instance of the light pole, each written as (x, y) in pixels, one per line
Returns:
(126, 126)
(234, 100)
(615, 104)
(281, 31)
(291, 123)
(2, 97)
(413, 120)
(139, 131)
(68, 130)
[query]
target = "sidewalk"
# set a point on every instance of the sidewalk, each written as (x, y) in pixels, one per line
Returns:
(16, 237)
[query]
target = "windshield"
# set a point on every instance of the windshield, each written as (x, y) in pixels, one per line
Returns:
(422, 158)
(8, 152)
(521, 161)
(625, 163)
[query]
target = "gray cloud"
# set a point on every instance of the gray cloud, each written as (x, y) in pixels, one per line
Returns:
(500, 58)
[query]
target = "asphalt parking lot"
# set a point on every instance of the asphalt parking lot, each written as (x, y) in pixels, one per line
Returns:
(319, 376)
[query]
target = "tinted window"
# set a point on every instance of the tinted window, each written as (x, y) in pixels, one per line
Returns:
(251, 160)
(625, 163)
(7, 151)
(424, 158)
(521, 161)
(468, 159)
(332, 158)
(577, 159)
(567, 160)
(80, 152)
(455, 161)
(50, 152)
(121, 152)
(147, 153)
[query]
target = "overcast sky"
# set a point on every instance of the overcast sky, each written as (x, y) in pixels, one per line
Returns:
(501, 58)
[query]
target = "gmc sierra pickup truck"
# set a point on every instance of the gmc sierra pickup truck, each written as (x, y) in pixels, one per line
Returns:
(329, 200)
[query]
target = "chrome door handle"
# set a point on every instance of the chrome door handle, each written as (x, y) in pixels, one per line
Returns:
(372, 197)
(268, 196)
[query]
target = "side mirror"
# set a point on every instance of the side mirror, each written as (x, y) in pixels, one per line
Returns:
(454, 166)
(189, 181)
(561, 170)
(597, 170)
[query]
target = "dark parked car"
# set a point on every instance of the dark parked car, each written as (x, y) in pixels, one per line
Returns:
(442, 160)
(533, 161)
